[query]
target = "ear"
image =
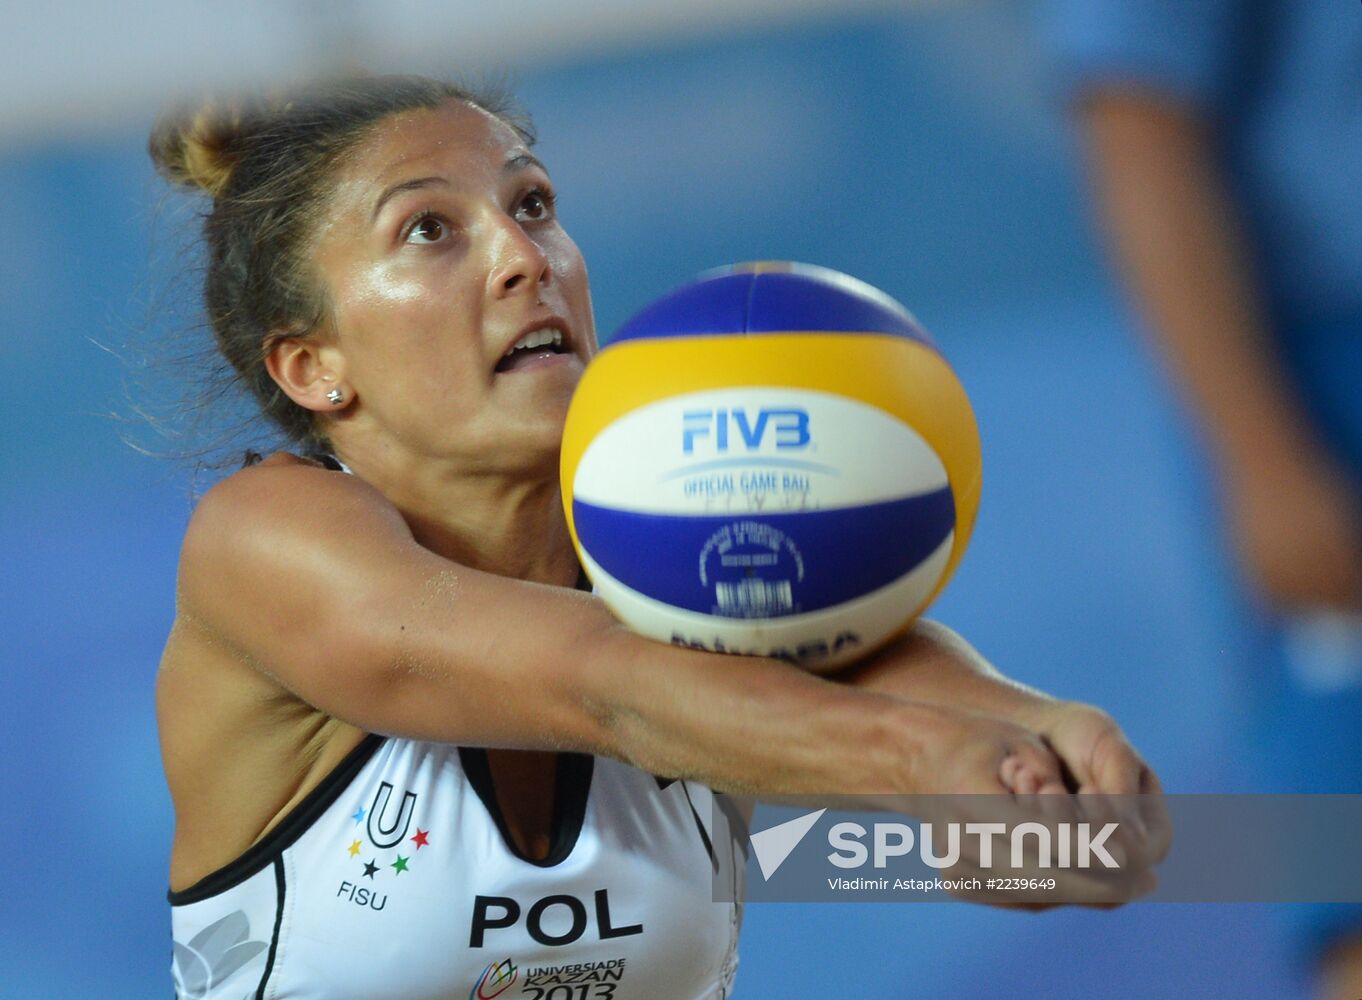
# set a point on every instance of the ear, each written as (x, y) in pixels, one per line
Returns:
(311, 372)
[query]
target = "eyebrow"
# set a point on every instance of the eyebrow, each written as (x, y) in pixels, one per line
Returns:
(411, 185)
(518, 162)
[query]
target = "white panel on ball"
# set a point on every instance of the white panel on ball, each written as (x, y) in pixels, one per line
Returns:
(666, 458)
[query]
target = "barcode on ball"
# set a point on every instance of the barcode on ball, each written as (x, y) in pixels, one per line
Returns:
(754, 598)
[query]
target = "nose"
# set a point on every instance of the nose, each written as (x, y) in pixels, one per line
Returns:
(518, 262)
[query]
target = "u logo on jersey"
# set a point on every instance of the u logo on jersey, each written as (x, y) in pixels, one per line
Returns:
(383, 830)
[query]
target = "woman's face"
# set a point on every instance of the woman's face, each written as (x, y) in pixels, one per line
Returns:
(441, 251)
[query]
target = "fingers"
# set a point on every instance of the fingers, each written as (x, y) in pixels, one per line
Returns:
(1020, 776)
(1035, 851)
(1117, 827)
(1114, 781)
(1121, 772)
(1075, 849)
(1116, 768)
(1094, 750)
(1030, 767)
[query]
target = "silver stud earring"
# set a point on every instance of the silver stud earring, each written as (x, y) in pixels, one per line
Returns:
(335, 397)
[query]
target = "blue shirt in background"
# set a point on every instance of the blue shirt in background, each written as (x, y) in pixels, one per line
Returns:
(1281, 82)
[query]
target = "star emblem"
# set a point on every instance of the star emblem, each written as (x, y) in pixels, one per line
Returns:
(358, 815)
(370, 868)
(400, 865)
(420, 839)
(354, 848)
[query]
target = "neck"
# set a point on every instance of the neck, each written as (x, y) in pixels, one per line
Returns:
(498, 522)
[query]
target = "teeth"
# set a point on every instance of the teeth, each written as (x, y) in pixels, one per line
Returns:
(538, 338)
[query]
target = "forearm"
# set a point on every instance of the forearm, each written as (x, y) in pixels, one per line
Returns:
(754, 726)
(933, 665)
(1177, 238)
(739, 724)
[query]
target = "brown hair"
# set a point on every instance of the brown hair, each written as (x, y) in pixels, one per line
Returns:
(268, 161)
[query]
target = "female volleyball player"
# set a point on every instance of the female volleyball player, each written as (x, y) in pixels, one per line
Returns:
(408, 757)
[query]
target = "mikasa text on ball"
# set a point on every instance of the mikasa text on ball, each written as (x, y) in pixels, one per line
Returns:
(773, 460)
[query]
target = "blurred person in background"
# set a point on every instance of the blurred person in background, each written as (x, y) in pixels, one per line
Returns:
(1224, 141)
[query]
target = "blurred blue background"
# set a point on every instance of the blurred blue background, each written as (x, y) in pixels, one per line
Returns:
(918, 149)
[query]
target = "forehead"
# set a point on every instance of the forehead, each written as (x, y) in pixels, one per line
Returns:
(455, 138)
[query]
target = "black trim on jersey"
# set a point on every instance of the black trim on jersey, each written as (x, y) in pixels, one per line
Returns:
(256, 857)
(280, 883)
(662, 785)
(704, 834)
(572, 787)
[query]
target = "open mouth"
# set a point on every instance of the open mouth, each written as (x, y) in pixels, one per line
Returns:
(536, 346)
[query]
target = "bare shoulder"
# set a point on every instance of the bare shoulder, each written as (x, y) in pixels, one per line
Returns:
(256, 491)
(236, 741)
(275, 509)
(270, 489)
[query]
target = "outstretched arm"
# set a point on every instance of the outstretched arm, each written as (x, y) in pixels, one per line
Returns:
(313, 580)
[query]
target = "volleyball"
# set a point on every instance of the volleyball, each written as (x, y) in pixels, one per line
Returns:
(771, 460)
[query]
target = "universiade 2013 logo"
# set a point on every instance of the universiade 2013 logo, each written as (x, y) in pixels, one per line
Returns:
(1029, 845)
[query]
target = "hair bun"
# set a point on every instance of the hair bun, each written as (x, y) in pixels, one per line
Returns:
(198, 148)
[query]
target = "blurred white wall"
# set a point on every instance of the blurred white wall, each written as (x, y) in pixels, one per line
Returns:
(90, 66)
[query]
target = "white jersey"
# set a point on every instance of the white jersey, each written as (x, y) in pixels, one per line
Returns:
(395, 880)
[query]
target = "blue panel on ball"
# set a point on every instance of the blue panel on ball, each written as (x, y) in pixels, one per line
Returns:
(711, 306)
(782, 303)
(765, 565)
(814, 300)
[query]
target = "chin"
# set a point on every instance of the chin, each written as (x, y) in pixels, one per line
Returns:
(529, 432)
(537, 448)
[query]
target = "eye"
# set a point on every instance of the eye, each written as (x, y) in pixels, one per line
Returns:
(537, 205)
(425, 227)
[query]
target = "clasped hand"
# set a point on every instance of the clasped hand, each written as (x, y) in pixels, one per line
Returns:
(999, 752)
